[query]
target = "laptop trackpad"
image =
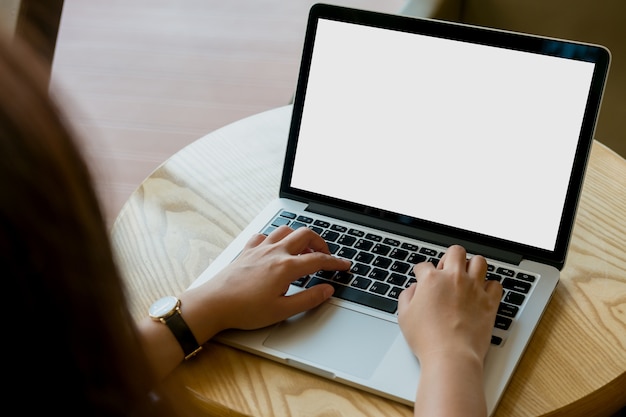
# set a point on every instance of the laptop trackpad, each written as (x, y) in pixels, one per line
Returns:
(337, 338)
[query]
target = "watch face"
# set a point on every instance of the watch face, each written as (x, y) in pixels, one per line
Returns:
(163, 307)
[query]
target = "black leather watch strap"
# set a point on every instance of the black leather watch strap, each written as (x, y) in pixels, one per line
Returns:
(183, 334)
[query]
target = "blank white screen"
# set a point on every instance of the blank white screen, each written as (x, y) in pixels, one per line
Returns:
(475, 137)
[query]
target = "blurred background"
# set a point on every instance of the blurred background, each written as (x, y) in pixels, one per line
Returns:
(144, 78)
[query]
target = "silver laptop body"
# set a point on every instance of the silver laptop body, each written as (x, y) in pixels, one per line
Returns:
(390, 115)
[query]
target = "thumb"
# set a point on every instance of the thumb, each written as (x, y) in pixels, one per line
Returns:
(307, 299)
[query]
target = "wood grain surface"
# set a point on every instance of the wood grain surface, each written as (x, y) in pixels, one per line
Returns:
(195, 203)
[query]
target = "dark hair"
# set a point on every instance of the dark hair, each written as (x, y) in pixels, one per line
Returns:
(72, 344)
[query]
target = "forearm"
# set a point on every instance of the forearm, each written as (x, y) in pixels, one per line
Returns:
(451, 387)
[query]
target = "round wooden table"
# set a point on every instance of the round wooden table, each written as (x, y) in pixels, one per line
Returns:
(193, 205)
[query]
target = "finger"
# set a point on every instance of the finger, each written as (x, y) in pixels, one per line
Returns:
(305, 240)
(454, 258)
(279, 234)
(422, 269)
(255, 240)
(305, 300)
(406, 296)
(477, 267)
(317, 261)
(494, 290)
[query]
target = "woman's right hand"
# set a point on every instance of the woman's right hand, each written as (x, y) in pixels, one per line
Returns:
(451, 307)
(447, 317)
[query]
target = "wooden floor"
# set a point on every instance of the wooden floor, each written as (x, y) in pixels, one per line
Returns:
(143, 78)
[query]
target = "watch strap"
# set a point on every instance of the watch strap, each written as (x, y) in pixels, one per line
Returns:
(183, 334)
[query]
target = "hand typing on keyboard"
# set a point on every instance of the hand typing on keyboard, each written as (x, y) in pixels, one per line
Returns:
(250, 292)
(447, 318)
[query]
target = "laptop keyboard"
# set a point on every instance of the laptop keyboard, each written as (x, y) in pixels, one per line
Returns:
(382, 267)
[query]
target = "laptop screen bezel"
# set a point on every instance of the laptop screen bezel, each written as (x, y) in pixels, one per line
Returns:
(416, 227)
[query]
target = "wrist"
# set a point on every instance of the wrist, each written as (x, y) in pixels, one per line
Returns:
(453, 357)
(162, 348)
(451, 383)
(167, 310)
(202, 314)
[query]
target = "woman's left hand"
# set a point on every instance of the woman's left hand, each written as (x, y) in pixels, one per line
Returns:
(250, 292)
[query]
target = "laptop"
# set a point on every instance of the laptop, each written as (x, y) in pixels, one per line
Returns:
(410, 135)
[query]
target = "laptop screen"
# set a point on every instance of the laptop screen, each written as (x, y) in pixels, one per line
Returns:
(472, 136)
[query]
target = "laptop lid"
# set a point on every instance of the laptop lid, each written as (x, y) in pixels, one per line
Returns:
(390, 112)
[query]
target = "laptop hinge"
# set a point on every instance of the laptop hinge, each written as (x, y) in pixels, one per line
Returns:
(416, 233)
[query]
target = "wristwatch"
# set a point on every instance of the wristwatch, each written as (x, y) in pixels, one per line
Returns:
(167, 311)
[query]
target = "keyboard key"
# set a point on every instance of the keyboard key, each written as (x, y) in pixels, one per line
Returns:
(391, 242)
(305, 219)
(288, 214)
(505, 271)
(375, 238)
(325, 274)
(333, 247)
(395, 292)
(329, 235)
(364, 244)
(409, 246)
(297, 225)
(516, 285)
(382, 262)
(346, 240)
(300, 282)
(364, 257)
(379, 288)
(495, 340)
(397, 279)
(322, 223)
(400, 267)
(280, 221)
(343, 277)
(508, 310)
(525, 276)
(514, 298)
(399, 254)
(503, 322)
(379, 274)
(359, 296)
(416, 258)
(381, 249)
(362, 283)
(428, 251)
(347, 253)
(317, 230)
(355, 232)
(493, 277)
(339, 228)
(360, 269)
